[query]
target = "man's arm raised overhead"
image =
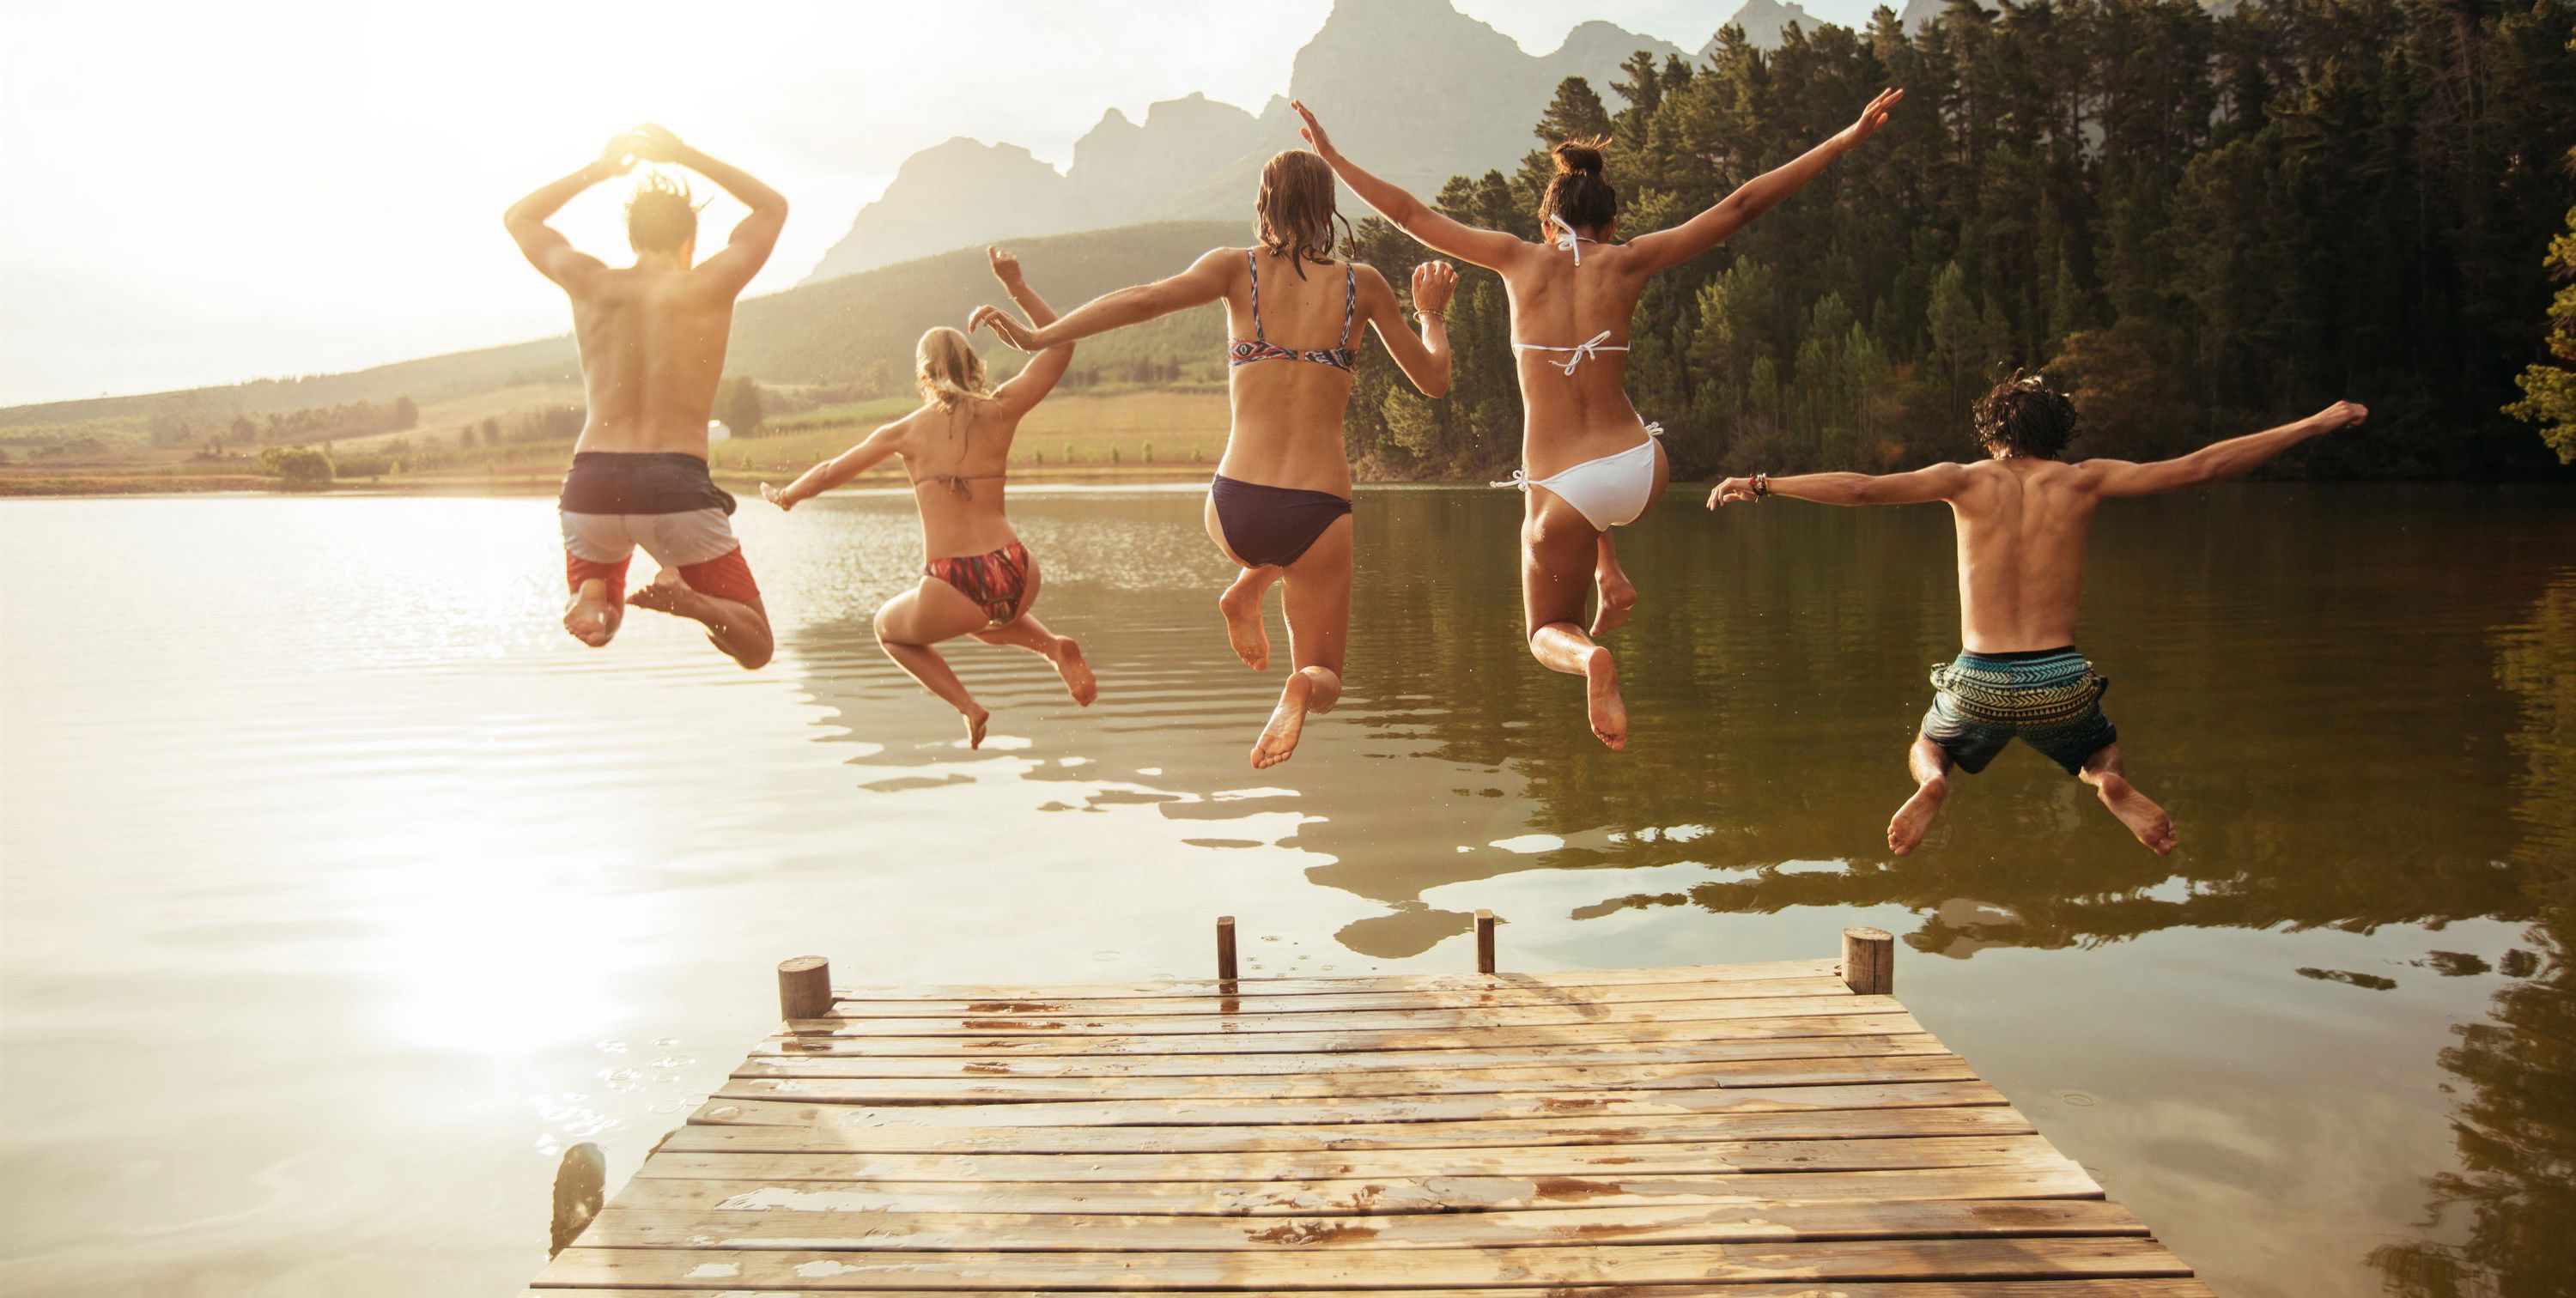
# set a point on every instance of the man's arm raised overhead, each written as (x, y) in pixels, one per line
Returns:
(1920, 486)
(754, 236)
(544, 246)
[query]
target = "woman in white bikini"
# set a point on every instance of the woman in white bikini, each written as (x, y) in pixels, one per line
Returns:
(1589, 463)
(977, 579)
(1280, 504)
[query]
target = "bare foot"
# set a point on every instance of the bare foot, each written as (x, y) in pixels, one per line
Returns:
(975, 725)
(590, 617)
(667, 594)
(1906, 831)
(1243, 627)
(1601, 687)
(1618, 599)
(2140, 813)
(1287, 721)
(1076, 673)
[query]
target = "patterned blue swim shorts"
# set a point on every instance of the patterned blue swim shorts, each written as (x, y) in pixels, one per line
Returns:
(2047, 698)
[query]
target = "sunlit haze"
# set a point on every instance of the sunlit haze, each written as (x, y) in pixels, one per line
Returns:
(200, 194)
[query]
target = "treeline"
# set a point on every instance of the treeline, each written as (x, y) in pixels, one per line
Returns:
(311, 424)
(2202, 223)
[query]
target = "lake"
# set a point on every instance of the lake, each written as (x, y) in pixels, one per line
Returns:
(342, 891)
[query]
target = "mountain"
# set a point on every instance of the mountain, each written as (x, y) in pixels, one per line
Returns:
(1763, 22)
(860, 328)
(1417, 89)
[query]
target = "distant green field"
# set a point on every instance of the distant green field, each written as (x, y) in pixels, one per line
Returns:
(1130, 428)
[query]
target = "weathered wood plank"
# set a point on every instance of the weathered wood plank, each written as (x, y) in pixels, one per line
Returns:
(785, 1057)
(2057, 1177)
(2168, 1287)
(1852, 1024)
(1556, 1227)
(1523, 1268)
(1500, 995)
(1403, 1108)
(1705, 1157)
(834, 1080)
(1987, 1120)
(1466, 1022)
(1307, 986)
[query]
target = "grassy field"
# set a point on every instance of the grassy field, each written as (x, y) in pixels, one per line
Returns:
(1129, 435)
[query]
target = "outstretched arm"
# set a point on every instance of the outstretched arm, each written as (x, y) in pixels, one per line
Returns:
(2218, 461)
(1438, 232)
(1039, 376)
(1932, 482)
(544, 246)
(1202, 283)
(755, 235)
(1425, 359)
(837, 470)
(1663, 249)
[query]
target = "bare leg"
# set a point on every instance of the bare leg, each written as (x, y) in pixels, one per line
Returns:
(1241, 605)
(1557, 552)
(1026, 632)
(2135, 810)
(1618, 594)
(910, 623)
(1931, 769)
(740, 629)
(591, 615)
(1318, 601)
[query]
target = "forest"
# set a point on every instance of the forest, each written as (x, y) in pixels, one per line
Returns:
(2200, 223)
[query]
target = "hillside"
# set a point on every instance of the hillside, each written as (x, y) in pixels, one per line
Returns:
(857, 330)
(1421, 91)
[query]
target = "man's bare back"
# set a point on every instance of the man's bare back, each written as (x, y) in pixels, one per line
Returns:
(652, 339)
(2022, 518)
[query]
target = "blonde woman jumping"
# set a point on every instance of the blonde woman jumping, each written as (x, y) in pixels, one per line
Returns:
(977, 579)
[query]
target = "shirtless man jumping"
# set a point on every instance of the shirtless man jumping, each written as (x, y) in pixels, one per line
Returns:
(2022, 517)
(652, 340)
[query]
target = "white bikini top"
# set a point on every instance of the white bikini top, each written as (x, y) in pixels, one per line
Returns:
(1568, 240)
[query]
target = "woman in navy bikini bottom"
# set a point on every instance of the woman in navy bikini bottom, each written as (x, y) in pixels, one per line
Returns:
(977, 578)
(1281, 500)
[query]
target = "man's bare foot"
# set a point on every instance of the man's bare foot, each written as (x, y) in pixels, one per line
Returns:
(1618, 599)
(1601, 688)
(1906, 830)
(668, 594)
(591, 618)
(1243, 627)
(1287, 722)
(975, 725)
(1076, 673)
(2140, 813)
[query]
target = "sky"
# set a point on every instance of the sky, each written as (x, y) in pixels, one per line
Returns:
(194, 194)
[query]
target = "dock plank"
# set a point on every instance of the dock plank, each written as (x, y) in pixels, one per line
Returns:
(785, 1056)
(1079, 1232)
(1988, 1120)
(1342, 984)
(1500, 995)
(1462, 1021)
(1316, 1268)
(2164, 1287)
(821, 1040)
(2058, 1178)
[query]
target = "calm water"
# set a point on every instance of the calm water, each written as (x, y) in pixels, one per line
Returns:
(342, 891)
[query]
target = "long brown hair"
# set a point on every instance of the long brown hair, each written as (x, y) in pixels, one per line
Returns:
(1578, 194)
(1296, 209)
(948, 369)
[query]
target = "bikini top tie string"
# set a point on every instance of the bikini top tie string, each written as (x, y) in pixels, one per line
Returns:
(1581, 352)
(1565, 237)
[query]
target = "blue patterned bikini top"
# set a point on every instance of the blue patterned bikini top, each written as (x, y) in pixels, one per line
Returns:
(1244, 351)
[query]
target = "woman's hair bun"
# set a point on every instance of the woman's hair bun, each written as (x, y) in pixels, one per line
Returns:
(1579, 157)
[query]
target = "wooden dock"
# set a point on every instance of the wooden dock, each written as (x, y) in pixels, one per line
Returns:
(1750, 1131)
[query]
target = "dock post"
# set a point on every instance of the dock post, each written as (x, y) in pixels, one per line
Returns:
(804, 987)
(1225, 969)
(1484, 941)
(1869, 961)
